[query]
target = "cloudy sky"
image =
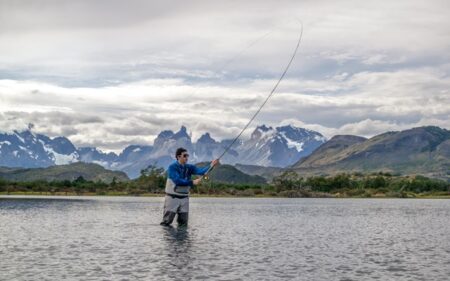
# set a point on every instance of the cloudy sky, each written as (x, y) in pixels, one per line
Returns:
(112, 73)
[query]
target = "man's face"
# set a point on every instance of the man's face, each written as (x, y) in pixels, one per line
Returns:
(183, 158)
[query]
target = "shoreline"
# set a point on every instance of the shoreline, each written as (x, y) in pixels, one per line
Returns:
(118, 194)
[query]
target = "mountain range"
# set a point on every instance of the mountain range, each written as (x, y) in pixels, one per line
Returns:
(267, 146)
(267, 153)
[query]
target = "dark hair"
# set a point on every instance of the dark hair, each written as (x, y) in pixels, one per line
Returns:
(179, 152)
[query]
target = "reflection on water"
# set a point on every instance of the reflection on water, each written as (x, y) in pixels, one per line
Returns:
(176, 235)
(106, 238)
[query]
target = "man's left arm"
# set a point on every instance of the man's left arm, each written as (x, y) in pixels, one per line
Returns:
(201, 171)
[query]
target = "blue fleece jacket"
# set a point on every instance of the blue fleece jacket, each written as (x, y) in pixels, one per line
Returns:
(181, 174)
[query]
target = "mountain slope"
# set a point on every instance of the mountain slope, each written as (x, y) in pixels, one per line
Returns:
(229, 174)
(88, 171)
(29, 150)
(327, 152)
(267, 173)
(422, 150)
(279, 147)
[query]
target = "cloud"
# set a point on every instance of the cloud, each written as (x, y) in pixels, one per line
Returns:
(365, 103)
(109, 73)
(86, 43)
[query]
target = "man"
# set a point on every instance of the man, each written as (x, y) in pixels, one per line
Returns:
(178, 185)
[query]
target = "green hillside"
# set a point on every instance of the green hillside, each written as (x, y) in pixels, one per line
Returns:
(266, 172)
(88, 171)
(229, 174)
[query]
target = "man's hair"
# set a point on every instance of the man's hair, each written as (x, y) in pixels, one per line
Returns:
(179, 152)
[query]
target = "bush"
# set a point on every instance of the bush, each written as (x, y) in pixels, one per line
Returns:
(294, 193)
(3, 185)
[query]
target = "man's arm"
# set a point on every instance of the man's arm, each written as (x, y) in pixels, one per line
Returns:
(175, 176)
(201, 171)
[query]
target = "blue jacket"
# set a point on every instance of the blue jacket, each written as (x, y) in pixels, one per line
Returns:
(181, 174)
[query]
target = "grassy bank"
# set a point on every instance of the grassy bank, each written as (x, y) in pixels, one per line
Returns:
(289, 184)
(427, 195)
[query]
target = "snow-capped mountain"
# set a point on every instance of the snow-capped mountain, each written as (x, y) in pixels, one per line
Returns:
(28, 150)
(93, 155)
(279, 147)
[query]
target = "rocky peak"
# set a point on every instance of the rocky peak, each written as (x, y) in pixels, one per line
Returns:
(260, 131)
(182, 133)
(206, 139)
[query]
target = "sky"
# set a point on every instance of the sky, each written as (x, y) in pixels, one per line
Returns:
(113, 73)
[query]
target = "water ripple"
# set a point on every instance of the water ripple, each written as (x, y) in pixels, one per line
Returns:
(106, 238)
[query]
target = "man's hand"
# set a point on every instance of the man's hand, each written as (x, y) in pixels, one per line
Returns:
(197, 181)
(215, 162)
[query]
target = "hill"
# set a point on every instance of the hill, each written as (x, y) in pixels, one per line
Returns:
(229, 174)
(88, 171)
(266, 172)
(422, 150)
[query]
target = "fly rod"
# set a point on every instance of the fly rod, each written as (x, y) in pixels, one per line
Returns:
(263, 104)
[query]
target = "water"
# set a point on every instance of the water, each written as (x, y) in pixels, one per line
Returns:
(105, 238)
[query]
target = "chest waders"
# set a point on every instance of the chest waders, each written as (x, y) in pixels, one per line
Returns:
(176, 202)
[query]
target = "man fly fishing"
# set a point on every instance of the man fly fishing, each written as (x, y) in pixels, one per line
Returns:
(179, 173)
(178, 185)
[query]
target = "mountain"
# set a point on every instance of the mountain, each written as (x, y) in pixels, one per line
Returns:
(329, 150)
(132, 160)
(267, 173)
(93, 155)
(28, 150)
(422, 150)
(279, 147)
(72, 171)
(229, 174)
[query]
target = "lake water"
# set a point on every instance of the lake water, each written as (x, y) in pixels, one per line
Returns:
(107, 238)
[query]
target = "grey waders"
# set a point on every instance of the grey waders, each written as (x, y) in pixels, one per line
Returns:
(176, 203)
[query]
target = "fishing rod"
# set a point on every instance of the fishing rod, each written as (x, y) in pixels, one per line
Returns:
(263, 104)
(219, 71)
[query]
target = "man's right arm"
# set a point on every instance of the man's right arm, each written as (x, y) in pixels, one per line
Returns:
(175, 176)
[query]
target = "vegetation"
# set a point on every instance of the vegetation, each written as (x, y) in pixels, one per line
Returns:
(362, 185)
(289, 184)
(89, 171)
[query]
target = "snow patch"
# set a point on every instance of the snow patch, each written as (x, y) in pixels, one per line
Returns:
(19, 137)
(101, 163)
(137, 149)
(60, 159)
(319, 138)
(5, 142)
(293, 144)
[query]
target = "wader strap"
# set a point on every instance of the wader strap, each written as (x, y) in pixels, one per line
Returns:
(177, 196)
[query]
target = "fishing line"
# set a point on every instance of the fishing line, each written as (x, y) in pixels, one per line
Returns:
(218, 72)
(265, 101)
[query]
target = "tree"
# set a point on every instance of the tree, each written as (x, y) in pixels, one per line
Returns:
(152, 178)
(289, 180)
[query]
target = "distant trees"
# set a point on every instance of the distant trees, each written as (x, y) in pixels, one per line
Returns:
(289, 184)
(3, 185)
(351, 183)
(152, 178)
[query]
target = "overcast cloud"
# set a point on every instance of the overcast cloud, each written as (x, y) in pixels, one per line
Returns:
(113, 73)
